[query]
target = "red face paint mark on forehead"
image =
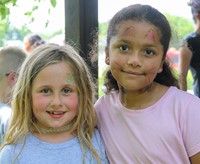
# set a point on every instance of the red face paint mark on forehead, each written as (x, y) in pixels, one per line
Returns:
(149, 35)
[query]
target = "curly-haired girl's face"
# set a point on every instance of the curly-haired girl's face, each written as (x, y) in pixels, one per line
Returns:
(54, 96)
(135, 54)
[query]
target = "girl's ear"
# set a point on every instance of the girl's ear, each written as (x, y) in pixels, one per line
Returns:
(161, 67)
(107, 61)
(160, 70)
(11, 78)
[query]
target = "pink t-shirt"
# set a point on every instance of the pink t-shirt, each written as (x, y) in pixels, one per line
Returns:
(166, 132)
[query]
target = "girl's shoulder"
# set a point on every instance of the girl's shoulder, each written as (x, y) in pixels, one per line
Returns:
(6, 153)
(183, 99)
(108, 96)
(96, 136)
(180, 94)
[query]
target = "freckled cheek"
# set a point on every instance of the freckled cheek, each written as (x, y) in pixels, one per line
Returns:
(39, 102)
(151, 72)
(118, 62)
(72, 103)
(151, 68)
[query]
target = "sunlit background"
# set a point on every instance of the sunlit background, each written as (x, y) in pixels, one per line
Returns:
(55, 18)
(107, 8)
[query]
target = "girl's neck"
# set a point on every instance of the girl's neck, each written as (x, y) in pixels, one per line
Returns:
(197, 27)
(53, 135)
(52, 130)
(137, 100)
(197, 30)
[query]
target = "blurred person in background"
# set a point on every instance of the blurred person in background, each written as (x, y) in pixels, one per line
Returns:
(189, 57)
(11, 58)
(31, 41)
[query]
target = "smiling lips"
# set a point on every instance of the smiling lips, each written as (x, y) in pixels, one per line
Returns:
(133, 73)
(56, 114)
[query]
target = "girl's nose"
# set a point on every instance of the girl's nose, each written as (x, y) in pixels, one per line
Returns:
(134, 59)
(57, 100)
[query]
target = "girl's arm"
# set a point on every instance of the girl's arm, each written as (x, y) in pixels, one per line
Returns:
(195, 159)
(185, 55)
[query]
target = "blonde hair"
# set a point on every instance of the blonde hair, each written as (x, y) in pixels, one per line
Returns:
(22, 119)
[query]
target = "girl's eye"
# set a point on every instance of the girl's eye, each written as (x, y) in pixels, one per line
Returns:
(45, 91)
(66, 91)
(124, 48)
(149, 52)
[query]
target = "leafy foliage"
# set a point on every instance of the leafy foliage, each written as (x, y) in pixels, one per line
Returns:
(180, 28)
(9, 32)
(5, 10)
(53, 3)
(3, 29)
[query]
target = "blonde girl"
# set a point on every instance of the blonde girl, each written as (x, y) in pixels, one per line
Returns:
(53, 115)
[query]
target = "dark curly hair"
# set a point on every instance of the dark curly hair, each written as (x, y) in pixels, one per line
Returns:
(147, 13)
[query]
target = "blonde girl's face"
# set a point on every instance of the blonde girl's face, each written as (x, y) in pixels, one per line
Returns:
(135, 54)
(54, 96)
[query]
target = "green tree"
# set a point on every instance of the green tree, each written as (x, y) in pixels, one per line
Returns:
(5, 7)
(14, 33)
(9, 32)
(180, 28)
(3, 28)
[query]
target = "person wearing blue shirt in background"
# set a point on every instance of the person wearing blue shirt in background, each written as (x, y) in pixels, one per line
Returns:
(11, 58)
